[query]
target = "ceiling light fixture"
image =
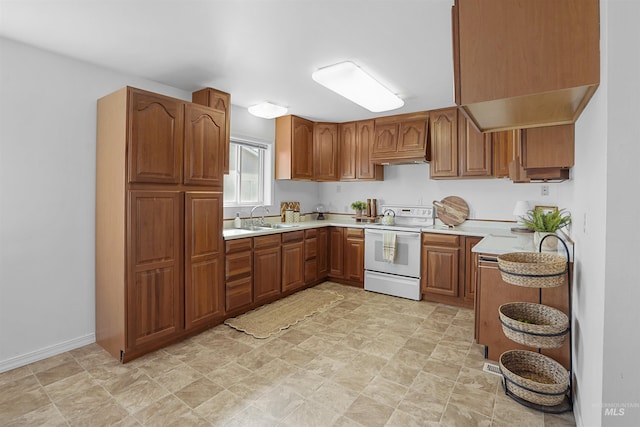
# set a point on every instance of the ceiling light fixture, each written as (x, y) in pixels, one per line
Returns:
(267, 110)
(350, 81)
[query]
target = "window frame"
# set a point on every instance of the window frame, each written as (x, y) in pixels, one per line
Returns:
(265, 182)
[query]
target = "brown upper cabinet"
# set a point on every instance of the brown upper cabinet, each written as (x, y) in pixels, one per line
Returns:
(220, 101)
(325, 152)
(356, 142)
(458, 149)
(294, 148)
(543, 154)
(522, 64)
(155, 132)
(401, 138)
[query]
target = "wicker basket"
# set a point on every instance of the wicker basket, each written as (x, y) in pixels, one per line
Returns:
(532, 269)
(548, 327)
(534, 377)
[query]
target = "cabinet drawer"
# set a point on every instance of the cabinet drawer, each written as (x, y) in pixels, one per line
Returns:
(266, 241)
(312, 232)
(355, 233)
(238, 265)
(310, 248)
(238, 245)
(238, 293)
(440, 239)
(292, 236)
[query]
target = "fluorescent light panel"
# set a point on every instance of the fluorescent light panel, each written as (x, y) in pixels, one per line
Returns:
(267, 110)
(350, 81)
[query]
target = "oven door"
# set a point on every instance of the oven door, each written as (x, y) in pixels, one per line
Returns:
(407, 259)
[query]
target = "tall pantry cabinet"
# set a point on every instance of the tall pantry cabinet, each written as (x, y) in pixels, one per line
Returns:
(159, 247)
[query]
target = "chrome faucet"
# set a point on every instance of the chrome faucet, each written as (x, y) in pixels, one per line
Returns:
(266, 210)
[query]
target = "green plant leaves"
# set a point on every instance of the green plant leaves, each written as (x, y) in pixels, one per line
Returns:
(550, 222)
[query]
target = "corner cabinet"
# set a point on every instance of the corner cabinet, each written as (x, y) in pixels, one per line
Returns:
(294, 148)
(159, 248)
(507, 76)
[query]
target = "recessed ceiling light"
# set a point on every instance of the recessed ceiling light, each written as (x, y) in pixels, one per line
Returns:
(350, 81)
(267, 110)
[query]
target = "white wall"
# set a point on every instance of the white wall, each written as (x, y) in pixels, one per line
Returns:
(47, 197)
(621, 339)
(410, 184)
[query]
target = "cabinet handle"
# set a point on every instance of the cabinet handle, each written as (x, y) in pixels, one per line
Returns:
(488, 258)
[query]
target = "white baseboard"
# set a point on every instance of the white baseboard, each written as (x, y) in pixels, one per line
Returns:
(54, 350)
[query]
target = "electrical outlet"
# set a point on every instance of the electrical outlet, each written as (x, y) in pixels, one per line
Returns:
(584, 224)
(544, 190)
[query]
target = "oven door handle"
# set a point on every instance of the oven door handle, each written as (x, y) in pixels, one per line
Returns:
(398, 234)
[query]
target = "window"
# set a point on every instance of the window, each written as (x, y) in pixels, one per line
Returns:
(248, 181)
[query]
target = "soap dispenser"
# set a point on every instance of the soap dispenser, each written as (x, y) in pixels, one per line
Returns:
(237, 222)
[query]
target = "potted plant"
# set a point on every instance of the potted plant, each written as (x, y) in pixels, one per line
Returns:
(358, 206)
(544, 222)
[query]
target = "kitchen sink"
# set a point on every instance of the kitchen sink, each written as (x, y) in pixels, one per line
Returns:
(269, 226)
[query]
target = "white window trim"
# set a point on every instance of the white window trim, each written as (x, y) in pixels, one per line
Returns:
(267, 173)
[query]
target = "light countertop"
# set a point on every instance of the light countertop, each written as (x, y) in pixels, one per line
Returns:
(498, 237)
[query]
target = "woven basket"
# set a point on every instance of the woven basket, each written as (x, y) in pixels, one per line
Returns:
(534, 377)
(532, 269)
(548, 327)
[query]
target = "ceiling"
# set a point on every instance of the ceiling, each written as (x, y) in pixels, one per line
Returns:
(256, 50)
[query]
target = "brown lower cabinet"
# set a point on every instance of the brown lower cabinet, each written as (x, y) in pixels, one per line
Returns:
(267, 269)
(293, 262)
(447, 269)
(346, 254)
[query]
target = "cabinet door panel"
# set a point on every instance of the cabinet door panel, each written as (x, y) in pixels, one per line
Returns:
(440, 267)
(475, 150)
(336, 242)
(365, 137)
(413, 136)
(354, 260)
(386, 140)
(204, 258)
(302, 147)
(325, 151)
(204, 146)
(322, 255)
(348, 153)
(154, 278)
(155, 135)
(267, 265)
(220, 101)
(444, 143)
(292, 266)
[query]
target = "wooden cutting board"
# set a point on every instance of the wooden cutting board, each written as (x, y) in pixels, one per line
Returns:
(452, 210)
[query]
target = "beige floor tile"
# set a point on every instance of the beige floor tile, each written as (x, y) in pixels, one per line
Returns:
(400, 373)
(229, 374)
(22, 402)
(473, 398)
(508, 410)
(310, 414)
(334, 396)
(59, 372)
(403, 419)
(303, 382)
(47, 415)
(93, 404)
(14, 374)
(385, 392)
(198, 392)
(279, 402)
(251, 417)
(439, 389)
(140, 395)
(324, 367)
(70, 386)
(222, 407)
(51, 362)
(461, 416)
(368, 412)
(178, 377)
(422, 406)
(479, 380)
(410, 358)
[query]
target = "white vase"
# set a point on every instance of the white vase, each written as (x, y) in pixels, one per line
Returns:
(549, 244)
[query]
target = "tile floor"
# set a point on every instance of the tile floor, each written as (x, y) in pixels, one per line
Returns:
(370, 360)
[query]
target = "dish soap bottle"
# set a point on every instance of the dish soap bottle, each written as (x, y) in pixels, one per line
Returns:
(237, 222)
